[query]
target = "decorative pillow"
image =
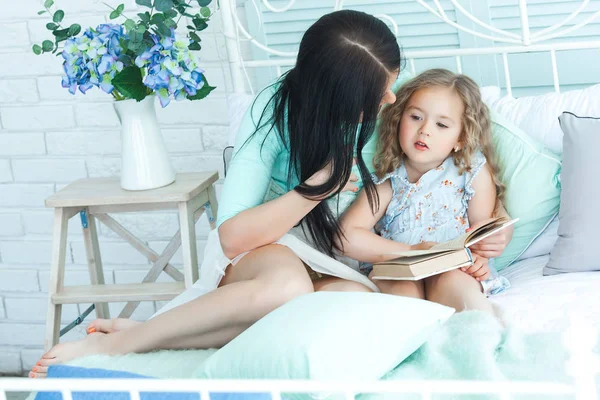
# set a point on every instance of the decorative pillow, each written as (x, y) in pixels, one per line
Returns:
(531, 175)
(538, 115)
(579, 217)
(328, 336)
(543, 244)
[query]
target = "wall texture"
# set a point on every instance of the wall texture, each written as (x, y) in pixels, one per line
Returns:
(48, 138)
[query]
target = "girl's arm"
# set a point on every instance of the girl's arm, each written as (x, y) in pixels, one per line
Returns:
(485, 205)
(359, 241)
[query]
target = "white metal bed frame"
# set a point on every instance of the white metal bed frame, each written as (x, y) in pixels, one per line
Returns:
(583, 366)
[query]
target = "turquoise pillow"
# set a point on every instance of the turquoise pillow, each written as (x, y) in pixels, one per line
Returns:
(328, 336)
(531, 174)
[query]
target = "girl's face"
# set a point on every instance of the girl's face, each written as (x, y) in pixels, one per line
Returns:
(430, 127)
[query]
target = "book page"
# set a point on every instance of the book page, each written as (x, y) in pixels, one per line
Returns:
(489, 231)
(454, 244)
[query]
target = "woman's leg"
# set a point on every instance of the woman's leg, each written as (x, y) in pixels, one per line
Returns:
(261, 281)
(458, 290)
(414, 289)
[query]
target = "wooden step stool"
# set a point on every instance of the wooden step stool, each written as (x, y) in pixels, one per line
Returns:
(191, 194)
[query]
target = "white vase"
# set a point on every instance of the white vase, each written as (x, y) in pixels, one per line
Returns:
(145, 162)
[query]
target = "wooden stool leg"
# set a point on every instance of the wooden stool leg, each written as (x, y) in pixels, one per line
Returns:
(214, 207)
(188, 241)
(92, 249)
(57, 273)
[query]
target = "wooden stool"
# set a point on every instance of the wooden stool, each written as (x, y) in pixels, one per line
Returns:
(191, 194)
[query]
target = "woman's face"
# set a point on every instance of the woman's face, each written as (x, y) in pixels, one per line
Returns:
(389, 97)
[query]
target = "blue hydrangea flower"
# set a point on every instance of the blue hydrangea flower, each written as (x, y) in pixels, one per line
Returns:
(173, 71)
(92, 59)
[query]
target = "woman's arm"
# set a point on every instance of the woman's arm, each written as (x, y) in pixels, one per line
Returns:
(267, 222)
(359, 241)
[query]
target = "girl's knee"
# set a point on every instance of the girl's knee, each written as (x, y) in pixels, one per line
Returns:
(402, 288)
(332, 284)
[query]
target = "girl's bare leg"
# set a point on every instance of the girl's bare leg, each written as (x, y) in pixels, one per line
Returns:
(414, 289)
(263, 280)
(334, 284)
(458, 290)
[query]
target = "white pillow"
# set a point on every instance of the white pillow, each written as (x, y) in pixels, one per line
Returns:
(538, 115)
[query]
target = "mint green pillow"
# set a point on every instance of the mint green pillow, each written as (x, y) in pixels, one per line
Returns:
(531, 174)
(329, 335)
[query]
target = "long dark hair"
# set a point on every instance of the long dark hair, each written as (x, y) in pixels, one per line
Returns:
(333, 92)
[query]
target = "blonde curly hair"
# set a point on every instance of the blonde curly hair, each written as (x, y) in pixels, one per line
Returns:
(476, 133)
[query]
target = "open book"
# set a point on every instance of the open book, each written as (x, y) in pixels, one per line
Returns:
(418, 264)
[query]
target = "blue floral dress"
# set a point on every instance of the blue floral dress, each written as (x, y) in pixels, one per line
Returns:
(433, 209)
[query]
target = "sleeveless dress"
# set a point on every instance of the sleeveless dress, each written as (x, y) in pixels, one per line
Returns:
(433, 209)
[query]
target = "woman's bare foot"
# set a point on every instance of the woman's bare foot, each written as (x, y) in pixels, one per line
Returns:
(110, 325)
(94, 343)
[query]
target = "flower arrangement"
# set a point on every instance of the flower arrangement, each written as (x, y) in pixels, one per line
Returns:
(137, 58)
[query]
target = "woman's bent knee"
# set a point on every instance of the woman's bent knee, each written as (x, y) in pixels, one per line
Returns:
(277, 272)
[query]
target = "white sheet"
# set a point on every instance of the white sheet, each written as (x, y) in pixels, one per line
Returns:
(534, 303)
(548, 303)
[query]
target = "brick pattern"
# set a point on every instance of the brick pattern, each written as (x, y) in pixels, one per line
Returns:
(49, 138)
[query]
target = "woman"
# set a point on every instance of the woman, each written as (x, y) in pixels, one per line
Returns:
(296, 148)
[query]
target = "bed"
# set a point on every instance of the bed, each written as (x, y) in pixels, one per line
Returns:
(535, 304)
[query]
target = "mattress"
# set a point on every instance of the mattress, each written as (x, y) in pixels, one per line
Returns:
(537, 303)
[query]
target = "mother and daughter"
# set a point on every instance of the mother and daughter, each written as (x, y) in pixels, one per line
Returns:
(304, 150)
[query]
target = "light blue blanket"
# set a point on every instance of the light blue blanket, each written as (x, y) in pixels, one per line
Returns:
(471, 345)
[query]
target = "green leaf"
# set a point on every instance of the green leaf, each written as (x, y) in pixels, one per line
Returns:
(163, 5)
(48, 3)
(170, 13)
(200, 24)
(205, 12)
(37, 49)
(141, 28)
(115, 14)
(194, 37)
(120, 8)
(163, 29)
(74, 30)
(129, 83)
(203, 3)
(145, 3)
(58, 16)
(47, 45)
(157, 18)
(144, 17)
(129, 24)
(61, 33)
(194, 46)
(190, 27)
(170, 23)
(41, 12)
(51, 26)
(204, 91)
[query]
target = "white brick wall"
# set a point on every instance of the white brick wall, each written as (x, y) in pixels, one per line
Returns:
(49, 138)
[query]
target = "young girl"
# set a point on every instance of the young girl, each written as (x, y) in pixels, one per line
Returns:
(436, 176)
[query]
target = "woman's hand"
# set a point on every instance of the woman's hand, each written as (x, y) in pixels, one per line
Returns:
(322, 176)
(494, 245)
(480, 270)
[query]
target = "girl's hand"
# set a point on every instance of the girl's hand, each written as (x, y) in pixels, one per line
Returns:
(480, 270)
(322, 176)
(493, 246)
(423, 246)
